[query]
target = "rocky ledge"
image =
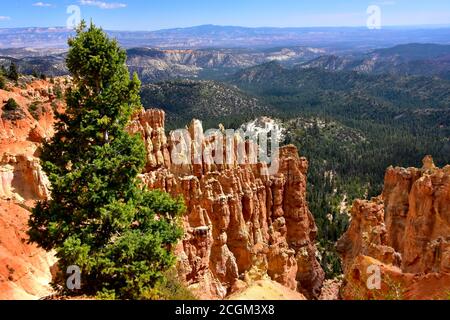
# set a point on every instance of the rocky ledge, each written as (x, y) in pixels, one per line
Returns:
(403, 237)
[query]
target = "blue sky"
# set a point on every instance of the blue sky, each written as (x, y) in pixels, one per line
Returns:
(160, 14)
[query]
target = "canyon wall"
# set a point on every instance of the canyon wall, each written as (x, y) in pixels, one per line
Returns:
(405, 234)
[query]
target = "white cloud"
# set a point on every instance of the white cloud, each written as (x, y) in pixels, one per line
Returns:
(103, 4)
(4, 18)
(41, 4)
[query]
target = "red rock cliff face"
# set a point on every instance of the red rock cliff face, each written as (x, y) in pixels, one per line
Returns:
(241, 225)
(406, 232)
(24, 269)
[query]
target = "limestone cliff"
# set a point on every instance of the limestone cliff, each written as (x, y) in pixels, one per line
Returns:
(406, 232)
(241, 224)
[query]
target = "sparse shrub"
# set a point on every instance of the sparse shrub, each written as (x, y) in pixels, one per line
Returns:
(12, 111)
(11, 105)
(171, 288)
(11, 272)
(396, 290)
(58, 92)
(54, 106)
(33, 108)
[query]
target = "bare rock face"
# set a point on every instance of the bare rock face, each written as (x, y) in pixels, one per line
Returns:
(150, 125)
(266, 290)
(241, 224)
(24, 268)
(406, 232)
(21, 178)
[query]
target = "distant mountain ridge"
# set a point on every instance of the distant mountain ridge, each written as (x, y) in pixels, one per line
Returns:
(154, 64)
(415, 51)
(212, 36)
(423, 59)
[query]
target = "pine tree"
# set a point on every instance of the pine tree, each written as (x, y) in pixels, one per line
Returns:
(99, 218)
(2, 82)
(12, 73)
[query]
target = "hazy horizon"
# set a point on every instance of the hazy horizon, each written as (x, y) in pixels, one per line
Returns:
(423, 26)
(136, 15)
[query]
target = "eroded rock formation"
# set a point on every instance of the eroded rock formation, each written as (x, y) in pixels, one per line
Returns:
(21, 178)
(241, 224)
(406, 232)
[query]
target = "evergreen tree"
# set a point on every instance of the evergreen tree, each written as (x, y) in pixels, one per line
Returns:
(2, 82)
(98, 217)
(12, 73)
(11, 105)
